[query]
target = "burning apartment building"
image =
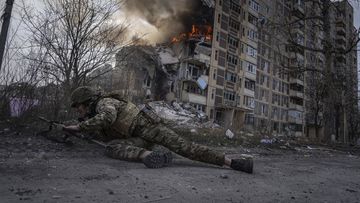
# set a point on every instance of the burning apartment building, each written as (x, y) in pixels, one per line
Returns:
(188, 69)
(217, 59)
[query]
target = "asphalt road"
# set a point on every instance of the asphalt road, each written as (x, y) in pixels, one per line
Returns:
(35, 170)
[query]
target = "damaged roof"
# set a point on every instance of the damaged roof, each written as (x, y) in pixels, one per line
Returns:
(141, 56)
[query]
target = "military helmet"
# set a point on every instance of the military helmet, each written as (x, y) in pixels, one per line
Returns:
(82, 94)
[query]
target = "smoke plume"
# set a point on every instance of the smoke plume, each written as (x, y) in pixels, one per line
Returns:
(170, 17)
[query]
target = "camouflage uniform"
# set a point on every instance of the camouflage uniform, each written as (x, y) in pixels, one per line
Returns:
(134, 132)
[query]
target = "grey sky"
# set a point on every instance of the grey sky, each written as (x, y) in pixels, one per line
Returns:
(37, 3)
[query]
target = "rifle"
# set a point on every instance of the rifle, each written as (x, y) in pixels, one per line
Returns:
(67, 133)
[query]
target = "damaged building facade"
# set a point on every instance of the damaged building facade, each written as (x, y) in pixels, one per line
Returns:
(228, 67)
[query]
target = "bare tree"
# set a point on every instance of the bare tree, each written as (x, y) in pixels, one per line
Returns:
(73, 38)
(316, 90)
(18, 77)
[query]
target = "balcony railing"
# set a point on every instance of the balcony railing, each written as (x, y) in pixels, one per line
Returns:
(294, 80)
(298, 94)
(230, 103)
(294, 120)
(296, 107)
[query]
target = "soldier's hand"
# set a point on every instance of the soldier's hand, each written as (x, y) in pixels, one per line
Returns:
(72, 128)
(58, 127)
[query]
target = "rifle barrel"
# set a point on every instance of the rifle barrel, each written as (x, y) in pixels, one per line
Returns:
(73, 133)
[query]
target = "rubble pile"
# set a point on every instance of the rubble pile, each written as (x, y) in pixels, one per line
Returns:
(182, 115)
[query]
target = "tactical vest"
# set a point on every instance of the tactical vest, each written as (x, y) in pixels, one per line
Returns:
(123, 126)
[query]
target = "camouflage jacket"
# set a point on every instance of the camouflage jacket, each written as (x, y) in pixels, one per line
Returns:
(113, 118)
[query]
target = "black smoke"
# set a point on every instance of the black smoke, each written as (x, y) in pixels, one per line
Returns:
(171, 17)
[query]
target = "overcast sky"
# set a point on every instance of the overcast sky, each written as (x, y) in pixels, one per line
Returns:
(141, 23)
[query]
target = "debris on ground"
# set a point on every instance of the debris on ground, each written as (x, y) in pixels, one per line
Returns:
(266, 141)
(182, 115)
(229, 134)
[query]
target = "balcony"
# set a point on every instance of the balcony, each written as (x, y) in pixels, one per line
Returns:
(251, 76)
(294, 93)
(294, 80)
(249, 92)
(296, 107)
(294, 120)
(229, 103)
(193, 98)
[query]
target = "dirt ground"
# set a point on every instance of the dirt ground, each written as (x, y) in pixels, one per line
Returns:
(34, 169)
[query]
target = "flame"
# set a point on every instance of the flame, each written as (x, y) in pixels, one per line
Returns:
(197, 32)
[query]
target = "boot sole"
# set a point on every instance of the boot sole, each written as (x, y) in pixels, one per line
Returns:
(168, 157)
(154, 160)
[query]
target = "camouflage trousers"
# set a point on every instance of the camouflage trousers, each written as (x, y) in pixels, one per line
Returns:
(148, 133)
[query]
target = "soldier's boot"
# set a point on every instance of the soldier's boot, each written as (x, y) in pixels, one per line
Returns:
(154, 160)
(244, 164)
(168, 157)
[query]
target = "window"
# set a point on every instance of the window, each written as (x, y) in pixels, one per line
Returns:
(232, 59)
(295, 114)
(229, 95)
(234, 24)
(252, 34)
(231, 77)
(249, 102)
(194, 71)
(251, 51)
(254, 5)
(249, 119)
(234, 6)
(191, 88)
(233, 41)
(252, 19)
(249, 84)
(250, 67)
(267, 9)
(266, 66)
(274, 84)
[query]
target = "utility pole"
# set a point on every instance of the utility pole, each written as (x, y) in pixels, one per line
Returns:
(5, 27)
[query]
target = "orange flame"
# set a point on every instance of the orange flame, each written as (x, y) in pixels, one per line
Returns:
(197, 32)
